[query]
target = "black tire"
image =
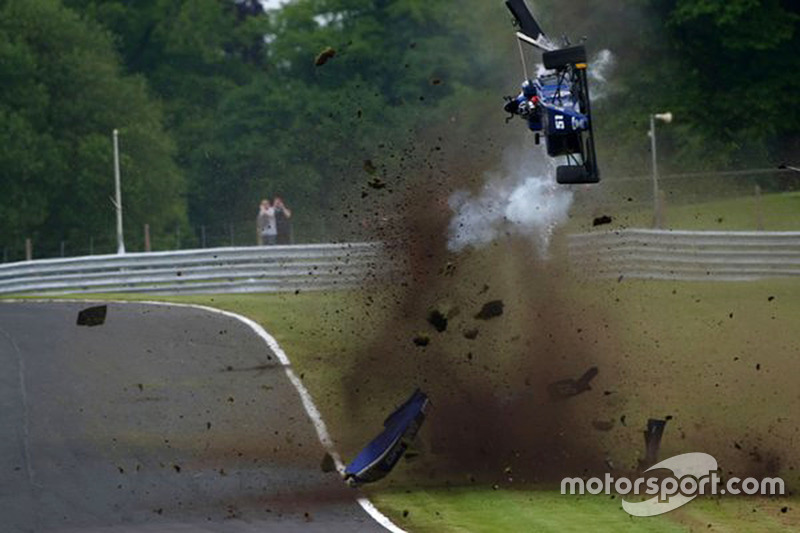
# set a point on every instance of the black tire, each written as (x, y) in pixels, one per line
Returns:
(566, 56)
(574, 175)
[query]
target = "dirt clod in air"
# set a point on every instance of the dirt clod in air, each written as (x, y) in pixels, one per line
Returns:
(490, 310)
(566, 388)
(92, 316)
(602, 220)
(369, 167)
(438, 320)
(652, 442)
(603, 425)
(324, 56)
(471, 334)
(327, 465)
(376, 183)
(422, 340)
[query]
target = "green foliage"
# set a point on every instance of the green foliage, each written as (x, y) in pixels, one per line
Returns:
(729, 72)
(253, 115)
(63, 95)
(231, 98)
(742, 56)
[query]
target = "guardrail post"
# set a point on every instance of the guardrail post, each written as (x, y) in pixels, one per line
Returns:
(178, 237)
(759, 213)
(203, 236)
(62, 248)
(147, 238)
(28, 249)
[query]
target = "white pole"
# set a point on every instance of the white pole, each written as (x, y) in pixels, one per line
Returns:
(656, 206)
(118, 195)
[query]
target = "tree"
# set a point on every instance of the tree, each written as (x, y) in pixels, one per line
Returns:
(740, 60)
(63, 95)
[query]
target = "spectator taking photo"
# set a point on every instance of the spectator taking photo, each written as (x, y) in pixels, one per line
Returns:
(266, 224)
(282, 221)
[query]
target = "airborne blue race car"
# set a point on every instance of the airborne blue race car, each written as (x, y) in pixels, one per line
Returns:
(556, 103)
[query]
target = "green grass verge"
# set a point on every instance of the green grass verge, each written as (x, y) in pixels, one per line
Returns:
(484, 510)
(778, 212)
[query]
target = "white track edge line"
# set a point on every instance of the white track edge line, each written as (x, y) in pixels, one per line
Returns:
(378, 516)
(305, 397)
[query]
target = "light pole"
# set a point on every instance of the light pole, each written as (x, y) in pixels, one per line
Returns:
(118, 195)
(667, 118)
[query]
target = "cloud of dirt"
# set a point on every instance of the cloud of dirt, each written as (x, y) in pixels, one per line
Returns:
(491, 418)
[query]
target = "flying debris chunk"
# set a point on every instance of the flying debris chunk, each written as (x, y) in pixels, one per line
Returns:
(327, 465)
(421, 340)
(601, 221)
(652, 442)
(380, 456)
(438, 320)
(376, 183)
(92, 316)
(369, 167)
(324, 56)
(471, 334)
(490, 310)
(603, 425)
(567, 388)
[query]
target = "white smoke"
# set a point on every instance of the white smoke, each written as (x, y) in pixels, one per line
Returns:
(599, 69)
(524, 200)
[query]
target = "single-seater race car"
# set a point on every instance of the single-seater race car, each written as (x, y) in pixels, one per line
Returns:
(556, 103)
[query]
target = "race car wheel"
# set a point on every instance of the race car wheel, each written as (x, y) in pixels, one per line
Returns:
(574, 175)
(566, 56)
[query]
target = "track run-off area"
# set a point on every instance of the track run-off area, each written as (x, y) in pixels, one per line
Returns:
(164, 418)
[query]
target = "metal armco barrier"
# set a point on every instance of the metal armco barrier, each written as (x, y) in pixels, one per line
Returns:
(631, 253)
(687, 255)
(215, 270)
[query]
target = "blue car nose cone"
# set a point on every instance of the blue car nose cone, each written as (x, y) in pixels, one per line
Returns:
(381, 455)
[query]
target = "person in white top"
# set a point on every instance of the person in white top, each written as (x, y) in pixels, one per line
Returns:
(265, 223)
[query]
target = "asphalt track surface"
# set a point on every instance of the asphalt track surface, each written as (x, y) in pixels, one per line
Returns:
(161, 419)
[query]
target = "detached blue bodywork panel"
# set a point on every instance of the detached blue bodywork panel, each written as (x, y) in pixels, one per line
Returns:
(381, 455)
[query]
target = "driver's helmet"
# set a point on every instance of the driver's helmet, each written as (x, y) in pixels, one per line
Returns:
(528, 89)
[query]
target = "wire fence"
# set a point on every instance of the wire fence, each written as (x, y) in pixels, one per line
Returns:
(738, 195)
(142, 238)
(631, 196)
